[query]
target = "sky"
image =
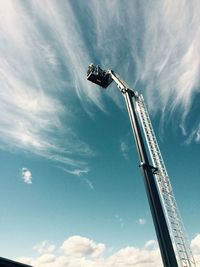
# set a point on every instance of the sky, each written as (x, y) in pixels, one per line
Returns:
(71, 190)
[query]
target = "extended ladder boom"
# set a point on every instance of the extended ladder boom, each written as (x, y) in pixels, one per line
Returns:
(176, 228)
(177, 231)
(166, 216)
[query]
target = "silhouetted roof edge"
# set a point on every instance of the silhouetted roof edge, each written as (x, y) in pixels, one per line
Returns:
(12, 263)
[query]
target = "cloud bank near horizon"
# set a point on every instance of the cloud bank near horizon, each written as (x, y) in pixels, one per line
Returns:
(78, 251)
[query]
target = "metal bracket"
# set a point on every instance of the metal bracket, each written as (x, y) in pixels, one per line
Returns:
(147, 166)
(132, 93)
(123, 90)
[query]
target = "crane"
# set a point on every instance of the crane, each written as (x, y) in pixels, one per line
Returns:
(174, 245)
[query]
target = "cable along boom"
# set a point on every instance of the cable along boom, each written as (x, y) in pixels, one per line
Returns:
(178, 235)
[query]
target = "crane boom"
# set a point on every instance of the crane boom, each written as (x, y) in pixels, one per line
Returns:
(174, 245)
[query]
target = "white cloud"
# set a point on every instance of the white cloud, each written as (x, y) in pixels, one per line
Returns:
(36, 119)
(124, 149)
(131, 256)
(82, 246)
(141, 221)
(44, 247)
(151, 244)
(163, 50)
(89, 183)
(46, 258)
(171, 60)
(26, 176)
(77, 172)
(194, 135)
(195, 246)
(74, 50)
(80, 173)
(82, 252)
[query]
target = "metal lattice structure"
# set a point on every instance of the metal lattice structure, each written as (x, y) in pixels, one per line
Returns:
(177, 231)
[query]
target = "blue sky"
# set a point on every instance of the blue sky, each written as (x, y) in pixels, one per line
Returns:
(71, 189)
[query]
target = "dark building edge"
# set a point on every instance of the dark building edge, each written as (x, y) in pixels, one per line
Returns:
(10, 263)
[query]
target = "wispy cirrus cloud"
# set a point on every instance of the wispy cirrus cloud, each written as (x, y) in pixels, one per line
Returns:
(46, 46)
(194, 135)
(158, 47)
(34, 51)
(89, 183)
(80, 173)
(77, 172)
